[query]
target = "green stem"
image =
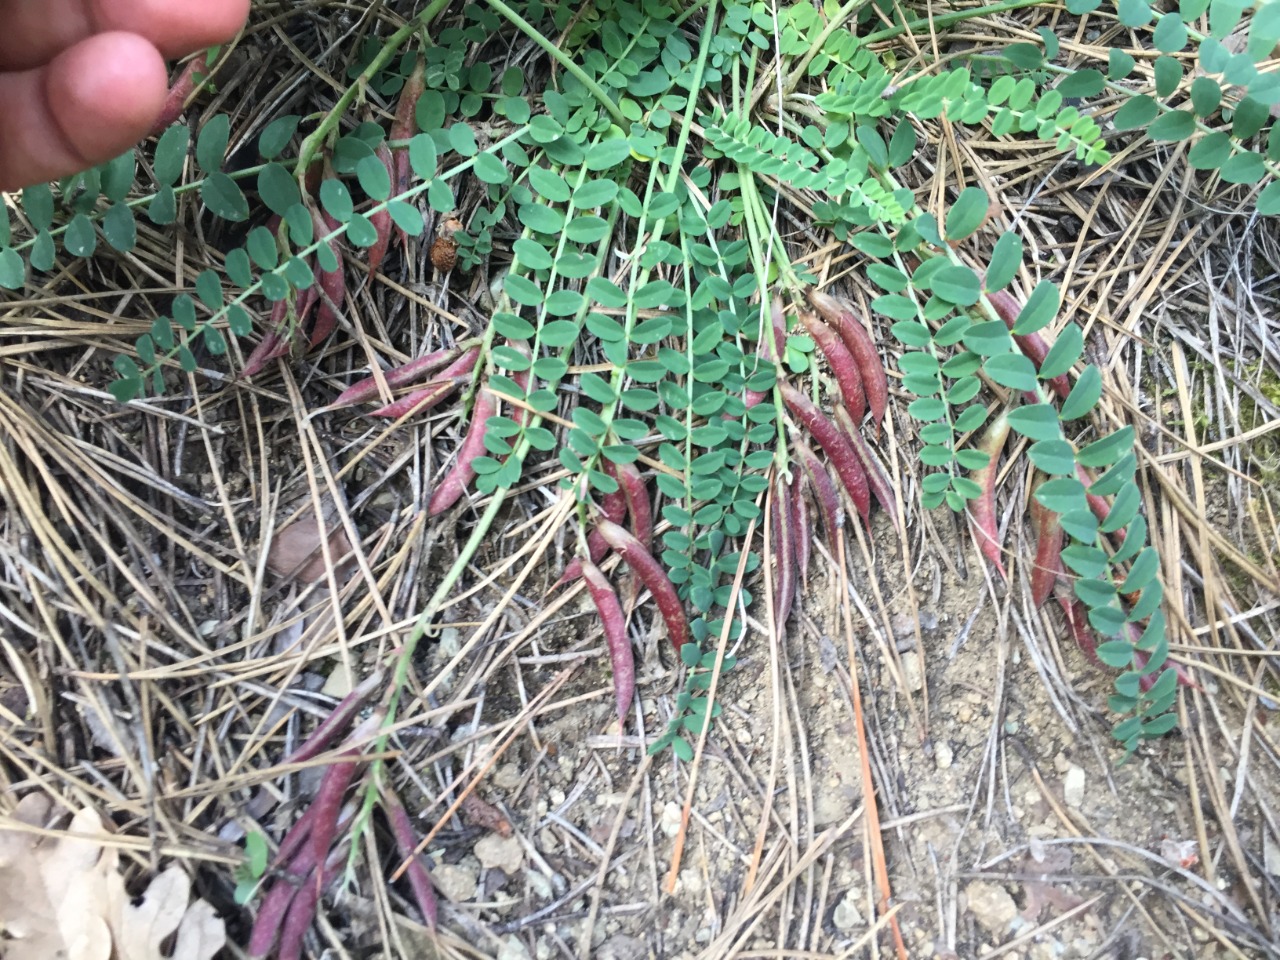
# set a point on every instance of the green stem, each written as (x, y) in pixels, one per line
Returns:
(836, 22)
(947, 19)
(329, 125)
(560, 57)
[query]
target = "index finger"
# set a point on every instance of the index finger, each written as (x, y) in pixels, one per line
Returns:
(35, 31)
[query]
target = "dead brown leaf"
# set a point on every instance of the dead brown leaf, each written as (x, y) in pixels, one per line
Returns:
(66, 898)
(296, 551)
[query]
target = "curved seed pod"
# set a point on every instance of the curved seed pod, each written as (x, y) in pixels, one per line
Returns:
(982, 511)
(1048, 562)
(835, 446)
(403, 127)
(613, 506)
(382, 219)
(419, 882)
(1141, 657)
(802, 534)
(337, 721)
(294, 842)
(1078, 623)
(183, 85)
(877, 475)
(302, 910)
(782, 544)
(273, 344)
(778, 321)
(615, 634)
(367, 389)
(1100, 506)
(841, 362)
(455, 482)
(652, 576)
(420, 401)
(452, 377)
(636, 496)
(820, 485)
(333, 283)
(271, 915)
(275, 905)
(875, 381)
(337, 777)
(1031, 344)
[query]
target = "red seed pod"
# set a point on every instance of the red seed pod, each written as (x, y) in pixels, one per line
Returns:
(452, 377)
(382, 219)
(271, 914)
(404, 126)
(337, 721)
(419, 882)
(367, 389)
(302, 911)
(875, 381)
(1047, 565)
(652, 576)
(1141, 658)
(1033, 345)
(613, 506)
(615, 634)
(636, 495)
(835, 446)
(1078, 623)
(333, 786)
(274, 342)
(802, 533)
(877, 475)
(782, 546)
(183, 85)
(275, 909)
(333, 284)
(824, 491)
(982, 511)
(1100, 506)
(842, 364)
(455, 483)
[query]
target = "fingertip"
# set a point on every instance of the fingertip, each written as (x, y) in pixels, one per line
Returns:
(89, 104)
(176, 29)
(104, 93)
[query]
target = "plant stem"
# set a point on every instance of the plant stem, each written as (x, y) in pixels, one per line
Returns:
(307, 152)
(947, 19)
(560, 57)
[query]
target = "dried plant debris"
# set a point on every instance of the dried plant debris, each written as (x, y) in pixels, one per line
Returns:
(65, 897)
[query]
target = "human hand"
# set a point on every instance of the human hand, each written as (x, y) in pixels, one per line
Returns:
(83, 80)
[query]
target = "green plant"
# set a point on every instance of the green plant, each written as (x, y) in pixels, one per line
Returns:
(636, 197)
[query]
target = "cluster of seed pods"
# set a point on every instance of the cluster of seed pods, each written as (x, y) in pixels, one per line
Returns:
(326, 296)
(314, 850)
(862, 389)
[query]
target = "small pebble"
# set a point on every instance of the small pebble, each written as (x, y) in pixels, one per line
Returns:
(513, 948)
(1073, 786)
(504, 853)
(943, 754)
(670, 821)
(847, 916)
(458, 884)
(912, 674)
(991, 906)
